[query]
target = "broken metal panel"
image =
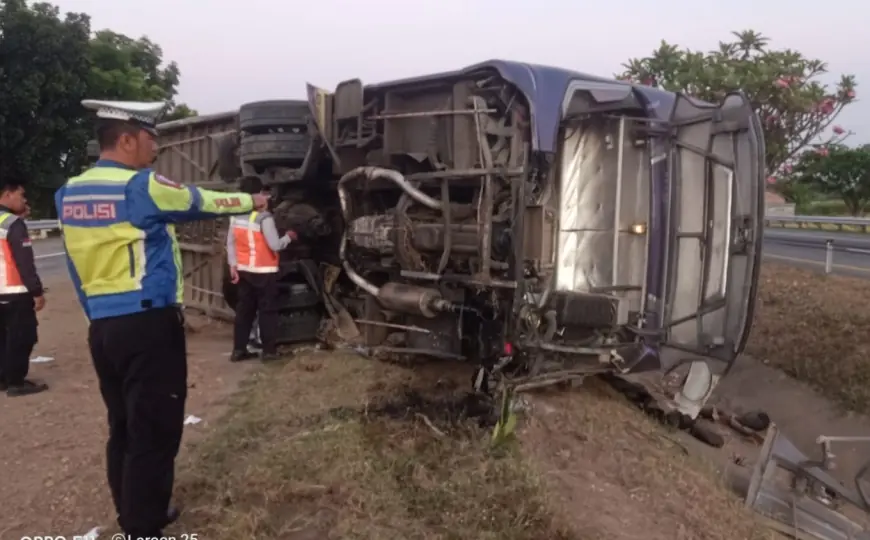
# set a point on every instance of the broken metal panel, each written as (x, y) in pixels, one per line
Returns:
(187, 154)
(415, 122)
(714, 244)
(798, 497)
(603, 195)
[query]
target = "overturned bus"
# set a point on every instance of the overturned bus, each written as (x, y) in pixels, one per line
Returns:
(538, 222)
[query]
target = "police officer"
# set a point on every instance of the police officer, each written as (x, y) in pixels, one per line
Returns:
(21, 294)
(252, 253)
(118, 222)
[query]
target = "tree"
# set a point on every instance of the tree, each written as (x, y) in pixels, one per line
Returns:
(794, 190)
(837, 170)
(48, 64)
(43, 78)
(794, 107)
(124, 68)
(178, 112)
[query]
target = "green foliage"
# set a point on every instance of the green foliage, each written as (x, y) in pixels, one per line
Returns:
(507, 420)
(43, 74)
(178, 112)
(130, 69)
(839, 171)
(800, 193)
(48, 64)
(794, 107)
(825, 208)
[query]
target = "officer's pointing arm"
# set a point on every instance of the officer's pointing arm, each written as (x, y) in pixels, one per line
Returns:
(168, 201)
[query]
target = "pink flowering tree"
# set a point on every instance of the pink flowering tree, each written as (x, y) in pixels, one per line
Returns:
(835, 170)
(796, 110)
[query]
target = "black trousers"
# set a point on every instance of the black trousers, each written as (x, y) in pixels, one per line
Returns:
(17, 338)
(141, 362)
(257, 295)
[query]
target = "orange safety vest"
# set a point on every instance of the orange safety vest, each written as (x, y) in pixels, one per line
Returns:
(253, 254)
(10, 279)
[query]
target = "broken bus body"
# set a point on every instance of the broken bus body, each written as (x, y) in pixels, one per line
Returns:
(539, 222)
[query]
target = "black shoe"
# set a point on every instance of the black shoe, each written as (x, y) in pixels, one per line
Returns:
(25, 388)
(238, 356)
(3, 386)
(172, 515)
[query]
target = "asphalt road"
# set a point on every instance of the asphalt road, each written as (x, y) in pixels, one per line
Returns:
(796, 247)
(807, 249)
(49, 257)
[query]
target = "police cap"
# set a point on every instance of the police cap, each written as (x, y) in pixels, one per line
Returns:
(140, 113)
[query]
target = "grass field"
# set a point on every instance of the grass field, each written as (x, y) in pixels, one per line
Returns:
(335, 446)
(332, 445)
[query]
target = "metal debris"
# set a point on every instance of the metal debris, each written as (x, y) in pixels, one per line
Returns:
(806, 505)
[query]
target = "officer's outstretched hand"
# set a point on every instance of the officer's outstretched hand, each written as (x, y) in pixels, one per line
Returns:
(261, 202)
(39, 303)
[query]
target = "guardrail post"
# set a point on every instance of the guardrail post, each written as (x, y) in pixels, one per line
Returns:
(829, 255)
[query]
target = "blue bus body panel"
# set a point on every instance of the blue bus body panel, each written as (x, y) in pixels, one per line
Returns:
(544, 88)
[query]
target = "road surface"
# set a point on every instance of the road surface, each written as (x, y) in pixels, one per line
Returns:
(796, 247)
(49, 257)
(851, 251)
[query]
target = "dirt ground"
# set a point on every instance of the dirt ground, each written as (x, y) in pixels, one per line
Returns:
(332, 445)
(813, 327)
(368, 450)
(52, 444)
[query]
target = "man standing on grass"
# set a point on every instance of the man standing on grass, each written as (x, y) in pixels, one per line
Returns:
(21, 294)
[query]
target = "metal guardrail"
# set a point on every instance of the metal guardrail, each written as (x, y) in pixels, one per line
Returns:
(42, 224)
(820, 222)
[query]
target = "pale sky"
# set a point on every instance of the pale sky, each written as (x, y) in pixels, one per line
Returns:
(233, 51)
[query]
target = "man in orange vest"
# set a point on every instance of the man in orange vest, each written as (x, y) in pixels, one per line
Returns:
(252, 253)
(21, 294)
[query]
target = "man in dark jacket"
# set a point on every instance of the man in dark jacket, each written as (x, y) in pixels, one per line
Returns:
(21, 294)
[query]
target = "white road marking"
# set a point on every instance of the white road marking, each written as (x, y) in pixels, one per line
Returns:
(859, 250)
(47, 255)
(818, 263)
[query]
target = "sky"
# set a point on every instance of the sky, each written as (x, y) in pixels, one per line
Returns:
(231, 51)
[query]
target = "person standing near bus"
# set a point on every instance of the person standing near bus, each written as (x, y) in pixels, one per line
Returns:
(253, 247)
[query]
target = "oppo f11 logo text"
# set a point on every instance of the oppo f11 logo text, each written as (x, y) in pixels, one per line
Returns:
(90, 211)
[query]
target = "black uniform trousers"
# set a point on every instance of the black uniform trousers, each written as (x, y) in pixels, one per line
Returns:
(257, 295)
(17, 338)
(141, 363)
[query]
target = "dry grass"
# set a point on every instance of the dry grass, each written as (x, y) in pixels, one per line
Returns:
(814, 328)
(616, 474)
(336, 446)
(331, 446)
